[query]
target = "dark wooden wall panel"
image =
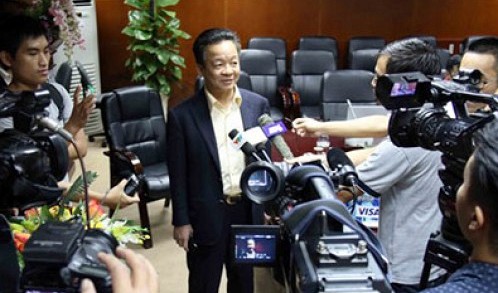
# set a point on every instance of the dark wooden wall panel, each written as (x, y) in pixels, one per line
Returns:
(450, 21)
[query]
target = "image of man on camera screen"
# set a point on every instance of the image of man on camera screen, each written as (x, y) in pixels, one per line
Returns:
(407, 178)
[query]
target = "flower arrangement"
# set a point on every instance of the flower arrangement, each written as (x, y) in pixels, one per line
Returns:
(60, 19)
(123, 230)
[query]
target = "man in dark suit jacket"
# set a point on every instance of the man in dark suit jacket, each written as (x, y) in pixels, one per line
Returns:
(205, 169)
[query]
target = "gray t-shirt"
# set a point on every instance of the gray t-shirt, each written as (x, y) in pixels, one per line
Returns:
(408, 181)
(52, 109)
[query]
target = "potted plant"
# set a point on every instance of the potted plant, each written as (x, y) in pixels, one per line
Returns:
(154, 34)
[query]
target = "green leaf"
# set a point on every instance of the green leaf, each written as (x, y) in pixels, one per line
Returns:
(164, 3)
(154, 44)
(178, 60)
(164, 56)
(142, 35)
(77, 187)
(177, 72)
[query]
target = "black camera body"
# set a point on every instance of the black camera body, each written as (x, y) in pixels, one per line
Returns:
(31, 160)
(432, 114)
(58, 255)
(320, 247)
(61, 254)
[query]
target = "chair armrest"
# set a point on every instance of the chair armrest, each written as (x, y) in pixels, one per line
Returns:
(126, 157)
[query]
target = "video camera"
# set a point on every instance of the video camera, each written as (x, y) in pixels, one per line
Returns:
(420, 118)
(432, 114)
(317, 245)
(58, 255)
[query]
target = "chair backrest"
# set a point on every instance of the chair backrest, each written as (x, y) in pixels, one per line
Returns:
(364, 59)
(244, 82)
(444, 57)
(321, 43)
(64, 75)
(360, 43)
(279, 47)
(307, 72)
(431, 40)
(469, 40)
(133, 119)
(261, 66)
(341, 85)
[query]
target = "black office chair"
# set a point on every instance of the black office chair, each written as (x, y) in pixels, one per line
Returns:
(431, 40)
(341, 85)
(261, 66)
(322, 43)
(470, 39)
(135, 130)
(364, 59)
(360, 43)
(244, 82)
(444, 57)
(307, 72)
(279, 47)
(64, 75)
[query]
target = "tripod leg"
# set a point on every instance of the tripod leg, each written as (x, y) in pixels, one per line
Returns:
(424, 279)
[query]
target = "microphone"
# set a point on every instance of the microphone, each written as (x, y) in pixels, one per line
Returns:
(261, 147)
(273, 131)
(53, 126)
(338, 160)
(241, 143)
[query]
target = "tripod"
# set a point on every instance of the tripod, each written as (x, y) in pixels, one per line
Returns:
(447, 249)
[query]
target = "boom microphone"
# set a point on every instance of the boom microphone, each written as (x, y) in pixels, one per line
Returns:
(53, 126)
(266, 122)
(338, 159)
(240, 142)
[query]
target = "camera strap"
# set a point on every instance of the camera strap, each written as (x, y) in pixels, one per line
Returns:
(299, 219)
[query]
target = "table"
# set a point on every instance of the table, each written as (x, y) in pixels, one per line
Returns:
(300, 145)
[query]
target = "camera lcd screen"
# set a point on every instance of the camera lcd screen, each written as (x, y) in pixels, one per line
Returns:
(255, 245)
(403, 89)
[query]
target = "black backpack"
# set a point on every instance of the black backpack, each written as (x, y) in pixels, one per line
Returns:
(56, 96)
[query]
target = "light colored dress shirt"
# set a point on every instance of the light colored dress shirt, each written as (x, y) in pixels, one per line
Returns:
(232, 159)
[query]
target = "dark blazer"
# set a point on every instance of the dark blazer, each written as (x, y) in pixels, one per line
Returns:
(194, 166)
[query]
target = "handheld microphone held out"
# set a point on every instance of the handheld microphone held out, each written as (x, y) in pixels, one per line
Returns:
(273, 131)
(240, 142)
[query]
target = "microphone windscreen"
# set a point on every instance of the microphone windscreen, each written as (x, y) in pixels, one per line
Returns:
(265, 119)
(337, 158)
(248, 149)
(260, 146)
(233, 133)
(279, 142)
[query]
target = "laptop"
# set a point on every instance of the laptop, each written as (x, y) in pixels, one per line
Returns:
(359, 111)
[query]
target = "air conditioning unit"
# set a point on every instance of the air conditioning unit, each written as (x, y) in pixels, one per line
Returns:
(88, 57)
